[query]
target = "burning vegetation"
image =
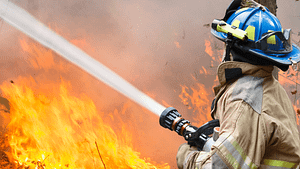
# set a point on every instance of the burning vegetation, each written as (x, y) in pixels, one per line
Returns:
(51, 128)
(62, 131)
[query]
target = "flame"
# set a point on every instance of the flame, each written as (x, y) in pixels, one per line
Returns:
(62, 131)
(198, 100)
(204, 71)
(216, 54)
(177, 44)
(290, 81)
(51, 128)
(40, 58)
(208, 49)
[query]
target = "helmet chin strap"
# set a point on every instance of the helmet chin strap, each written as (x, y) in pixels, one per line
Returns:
(229, 43)
(227, 54)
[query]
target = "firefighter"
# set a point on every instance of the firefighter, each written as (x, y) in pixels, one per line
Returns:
(258, 127)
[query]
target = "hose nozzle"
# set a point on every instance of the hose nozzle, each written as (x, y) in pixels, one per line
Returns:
(172, 120)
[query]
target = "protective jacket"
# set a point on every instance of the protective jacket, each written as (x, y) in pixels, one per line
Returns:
(258, 127)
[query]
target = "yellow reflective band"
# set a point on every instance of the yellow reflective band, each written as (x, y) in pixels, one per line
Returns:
(232, 161)
(251, 32)
(236, 23)
(271, 39)
(240, 10)
(245, 158)
(278, 163)
(235, 155)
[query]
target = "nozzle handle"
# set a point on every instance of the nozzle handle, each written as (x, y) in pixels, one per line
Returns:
(172, 120)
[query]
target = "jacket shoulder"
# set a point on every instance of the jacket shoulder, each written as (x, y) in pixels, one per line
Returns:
(250, 90)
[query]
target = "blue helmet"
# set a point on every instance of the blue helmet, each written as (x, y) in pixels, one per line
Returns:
(265, 37)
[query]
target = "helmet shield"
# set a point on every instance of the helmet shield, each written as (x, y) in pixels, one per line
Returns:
(284, 42)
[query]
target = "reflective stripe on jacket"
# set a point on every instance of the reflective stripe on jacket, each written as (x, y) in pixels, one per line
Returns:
(258, 126)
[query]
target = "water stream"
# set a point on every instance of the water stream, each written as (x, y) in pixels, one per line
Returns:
(22, 20)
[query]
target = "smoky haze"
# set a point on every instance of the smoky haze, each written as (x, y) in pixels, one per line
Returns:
(157, 45)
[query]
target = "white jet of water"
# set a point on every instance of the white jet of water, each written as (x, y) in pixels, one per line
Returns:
(22, 20)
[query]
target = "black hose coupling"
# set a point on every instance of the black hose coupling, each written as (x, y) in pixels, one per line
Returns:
(172, 120)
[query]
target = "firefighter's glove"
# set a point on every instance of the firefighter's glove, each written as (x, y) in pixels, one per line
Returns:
(183, 151)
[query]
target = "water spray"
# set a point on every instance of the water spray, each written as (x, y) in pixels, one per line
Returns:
(169, 117)
(22, 20)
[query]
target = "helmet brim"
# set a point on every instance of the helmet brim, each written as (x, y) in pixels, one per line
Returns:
(283, 59)
(219, 35)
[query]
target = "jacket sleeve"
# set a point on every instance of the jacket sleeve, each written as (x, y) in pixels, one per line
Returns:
(188, 156)
(241, 143)
(243, 137)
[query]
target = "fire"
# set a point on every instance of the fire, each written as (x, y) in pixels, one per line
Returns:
(60, 130)
(208, 48)
(290, 81)
(198, 100)
(52, 128)
(204, 71)
(216, 53)
(177, 44)
(38, 59)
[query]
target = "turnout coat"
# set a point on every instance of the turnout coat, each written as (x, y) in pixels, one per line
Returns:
(258, 127)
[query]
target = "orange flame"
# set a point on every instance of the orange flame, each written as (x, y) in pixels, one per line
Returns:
(208, 49)
(204, 71)
(177, 44)
(216, 54)
(289, 80)
(198, 100)
(60, 131)
(41, 58)
(37, 57)
(51, 128)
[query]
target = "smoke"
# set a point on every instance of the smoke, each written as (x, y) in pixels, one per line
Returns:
(155, 45)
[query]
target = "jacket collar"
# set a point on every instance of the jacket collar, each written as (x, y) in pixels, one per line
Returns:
(232, 70)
